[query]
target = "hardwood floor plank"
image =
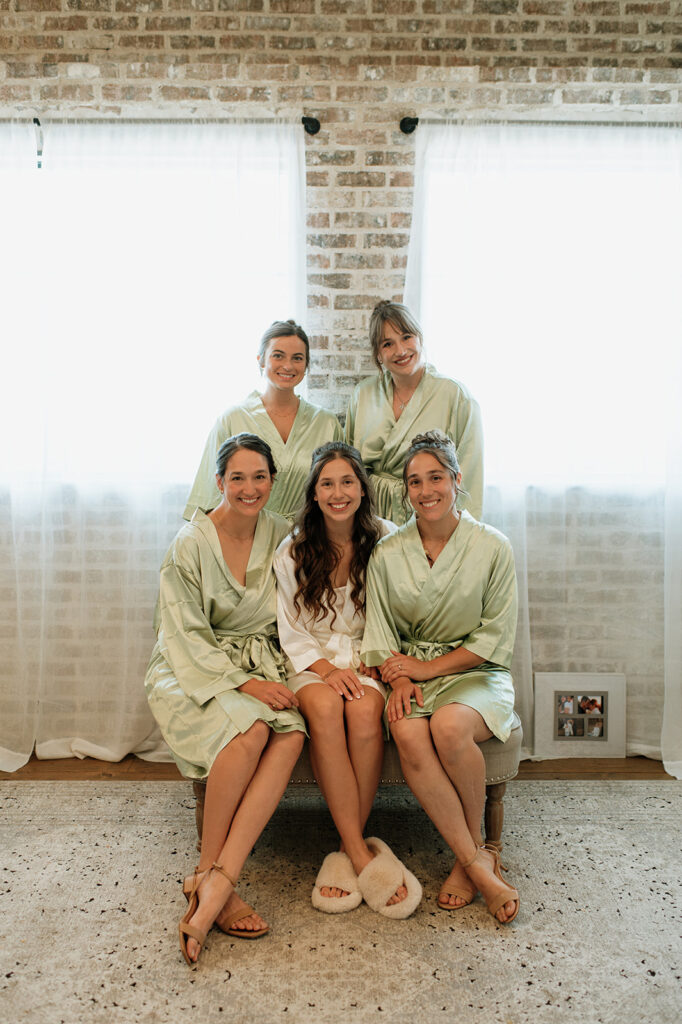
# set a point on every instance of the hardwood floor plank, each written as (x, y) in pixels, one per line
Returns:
(132, 769)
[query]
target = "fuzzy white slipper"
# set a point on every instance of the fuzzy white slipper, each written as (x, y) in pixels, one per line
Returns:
(337, 873)
(382, 876)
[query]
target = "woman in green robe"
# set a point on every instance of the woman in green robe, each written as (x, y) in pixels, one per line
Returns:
(292, 427)
(407, 397)
(216, 682)
(441, 620)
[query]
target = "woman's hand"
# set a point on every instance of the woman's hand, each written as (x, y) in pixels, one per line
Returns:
(369, 670)
(276, 695)
(399, 700)
(344, 682)
(405, 665)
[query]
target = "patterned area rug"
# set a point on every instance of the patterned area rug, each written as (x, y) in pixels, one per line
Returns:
(91, 898)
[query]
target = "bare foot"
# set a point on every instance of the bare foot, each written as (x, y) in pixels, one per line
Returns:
(457, 880)
(213, 892)
(482, 874)
(252, 922)
(333, 892)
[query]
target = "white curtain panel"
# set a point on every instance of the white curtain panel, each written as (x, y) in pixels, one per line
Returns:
(544, 265)
(141, 265)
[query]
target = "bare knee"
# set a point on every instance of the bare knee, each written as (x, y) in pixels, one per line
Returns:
(364, 718)
(453, 734)
(255, 738)
(323, 711)
(411, 743)
(292, 742)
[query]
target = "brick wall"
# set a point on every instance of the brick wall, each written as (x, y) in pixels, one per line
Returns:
(359, 66)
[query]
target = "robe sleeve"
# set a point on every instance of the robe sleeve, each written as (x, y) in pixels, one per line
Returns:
(349, 428)
(337, 429)
(493, 640)
(468, 435)
(381, 635)
(205, 494)
(187, 641)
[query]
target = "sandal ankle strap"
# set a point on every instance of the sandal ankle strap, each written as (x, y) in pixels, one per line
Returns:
(470, 862)
(221, 869)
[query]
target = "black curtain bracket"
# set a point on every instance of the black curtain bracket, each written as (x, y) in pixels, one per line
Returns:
(408, 125)
(311, 125)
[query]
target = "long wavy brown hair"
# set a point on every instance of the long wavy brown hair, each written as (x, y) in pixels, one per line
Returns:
(315, 556)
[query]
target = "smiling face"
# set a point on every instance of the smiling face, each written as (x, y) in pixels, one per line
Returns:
(431, 488)
(247, 482)
(400, 353)
(284, 363)
(338, 491)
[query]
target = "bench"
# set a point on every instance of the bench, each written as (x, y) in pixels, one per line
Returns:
(501, 765)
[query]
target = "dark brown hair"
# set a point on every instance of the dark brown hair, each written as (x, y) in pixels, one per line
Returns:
(438, 444)
(244, 440)
(315, 557)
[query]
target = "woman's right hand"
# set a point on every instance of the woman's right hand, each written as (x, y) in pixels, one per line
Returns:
(276, 695)
(398, 704)
(345, 682)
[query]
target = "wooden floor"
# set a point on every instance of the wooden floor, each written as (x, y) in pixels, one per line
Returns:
(132, 769)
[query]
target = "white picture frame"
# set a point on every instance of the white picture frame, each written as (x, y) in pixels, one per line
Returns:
(579, 714)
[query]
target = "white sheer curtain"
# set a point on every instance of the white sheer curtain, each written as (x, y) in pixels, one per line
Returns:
(141, 263)
(544, 264)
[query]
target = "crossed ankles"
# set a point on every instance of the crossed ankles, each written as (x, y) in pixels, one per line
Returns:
(501, 899)
(236, 918)
(192, 935)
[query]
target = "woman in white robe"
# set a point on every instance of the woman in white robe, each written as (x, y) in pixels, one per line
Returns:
(441, 620)
(405, 398)
(216, 683)
(320, 614)
(292, 427)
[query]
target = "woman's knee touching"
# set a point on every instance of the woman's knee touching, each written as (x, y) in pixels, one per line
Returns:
(365, 717)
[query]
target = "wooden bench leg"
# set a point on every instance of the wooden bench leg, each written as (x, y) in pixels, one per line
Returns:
(494, 813)
(200, 795)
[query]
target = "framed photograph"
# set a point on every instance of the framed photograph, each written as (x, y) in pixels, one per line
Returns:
(579, 714)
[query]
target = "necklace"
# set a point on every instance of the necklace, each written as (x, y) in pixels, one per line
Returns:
(396, 393)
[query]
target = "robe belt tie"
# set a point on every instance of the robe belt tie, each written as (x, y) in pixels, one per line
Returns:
(255, 654)
(424, 650)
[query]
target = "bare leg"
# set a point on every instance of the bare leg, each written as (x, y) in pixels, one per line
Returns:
(257, 805)
(227, 780)
(366, 746)
(325, 712)
(429, 782)
(456, 731)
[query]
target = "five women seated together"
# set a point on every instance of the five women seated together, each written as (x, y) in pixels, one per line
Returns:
(301, 599)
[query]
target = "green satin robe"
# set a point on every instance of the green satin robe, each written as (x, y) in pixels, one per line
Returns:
(467, 599)
(311, 428)
(383, 441)
(215, 634)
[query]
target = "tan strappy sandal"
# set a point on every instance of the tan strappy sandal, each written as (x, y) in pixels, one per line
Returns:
(500, 900)
(189, 931)
(225, 923)
(466, 893)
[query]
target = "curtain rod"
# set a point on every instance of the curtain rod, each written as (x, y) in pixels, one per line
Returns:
(409, 124)
(310, 124)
